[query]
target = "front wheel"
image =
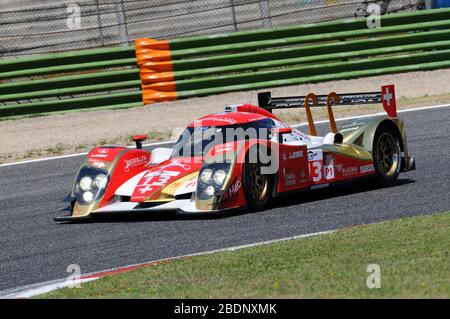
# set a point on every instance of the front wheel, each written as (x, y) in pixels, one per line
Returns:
(386, 155)
(257, 186)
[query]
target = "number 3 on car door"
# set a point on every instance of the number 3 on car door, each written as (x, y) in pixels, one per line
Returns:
(316, 171)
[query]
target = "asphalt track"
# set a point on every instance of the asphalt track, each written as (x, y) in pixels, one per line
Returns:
(33, 248)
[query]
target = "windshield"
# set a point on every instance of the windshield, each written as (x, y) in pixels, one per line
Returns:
(197, 141)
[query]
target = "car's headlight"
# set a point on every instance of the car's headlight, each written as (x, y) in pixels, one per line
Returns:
(211, 180)
(86, 183)
(90, 185)
(88, 196)
(210, 190)
(100, 180)
(219, 177)
(205, 175)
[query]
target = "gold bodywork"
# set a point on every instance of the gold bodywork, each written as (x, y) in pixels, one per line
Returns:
(168, 192)
(361, 132)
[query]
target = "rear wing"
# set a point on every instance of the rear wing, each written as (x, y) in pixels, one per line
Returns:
(385, 96)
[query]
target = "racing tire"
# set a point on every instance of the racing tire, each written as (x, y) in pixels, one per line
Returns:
(257, 187)
(386, 155)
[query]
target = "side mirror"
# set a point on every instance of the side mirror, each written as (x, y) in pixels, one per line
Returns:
(138, 139)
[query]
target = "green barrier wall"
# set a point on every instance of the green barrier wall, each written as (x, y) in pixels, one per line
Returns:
(109, 78)
(81, 80)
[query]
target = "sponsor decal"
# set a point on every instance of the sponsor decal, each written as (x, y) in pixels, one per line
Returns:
(315, 155)
(255, 118)
(354, 123)
(155, 179)
(349, 171)
(328, 171)
(98, 155)
(328, 167)
(135, 162)
(190, 184)
(160, 177)
(235, 187)
(352, 126)
(233, 190)
(185, 187)
(289, 179)
(366, 168)
(96, 163)
(105, 154)
(303, 178)
(213, 118)
(349, 129)
(296, 154)
(144, 189)
(292, 155)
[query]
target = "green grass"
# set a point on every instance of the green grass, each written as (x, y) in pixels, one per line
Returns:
(413, 254)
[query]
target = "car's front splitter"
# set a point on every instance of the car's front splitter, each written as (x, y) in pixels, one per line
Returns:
(181, 207)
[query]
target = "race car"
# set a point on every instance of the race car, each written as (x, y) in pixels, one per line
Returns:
(242, 158)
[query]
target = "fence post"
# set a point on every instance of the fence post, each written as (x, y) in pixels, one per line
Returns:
(233, 14)
(99, 21)
(265, 13)
(123, 32)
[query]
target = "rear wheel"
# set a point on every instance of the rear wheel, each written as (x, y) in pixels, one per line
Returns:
(386, 154)
(257, 186)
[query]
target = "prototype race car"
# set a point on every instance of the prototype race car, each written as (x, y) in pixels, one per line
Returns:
(242, 158)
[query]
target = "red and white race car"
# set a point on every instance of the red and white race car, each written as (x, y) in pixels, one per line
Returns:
(242, 158)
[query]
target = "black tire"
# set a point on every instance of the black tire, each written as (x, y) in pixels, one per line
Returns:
(386, 154)
(257, 187)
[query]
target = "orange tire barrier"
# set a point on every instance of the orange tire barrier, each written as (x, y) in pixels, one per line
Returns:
(155, 70)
